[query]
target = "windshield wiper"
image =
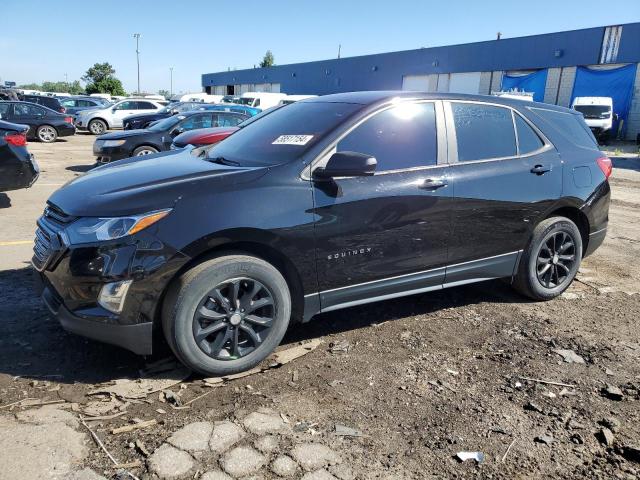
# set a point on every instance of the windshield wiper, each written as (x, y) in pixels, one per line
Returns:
(224, 161)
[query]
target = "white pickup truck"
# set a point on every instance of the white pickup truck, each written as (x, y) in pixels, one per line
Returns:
(99, 121)
(597, 113)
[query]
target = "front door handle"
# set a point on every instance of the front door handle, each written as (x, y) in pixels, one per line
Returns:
(541, 169)
(433, 184)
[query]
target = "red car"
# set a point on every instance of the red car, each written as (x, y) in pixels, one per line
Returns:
(202, 136)
(210, 136)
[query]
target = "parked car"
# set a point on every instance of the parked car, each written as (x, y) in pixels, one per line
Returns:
(143, 120)
(229, 107)
(158, 137)
(44, 124)
(261, 100)
(101, 120)
(50, 102)
(210, 136)
(230, 99)
(200, 97)
(77, 104)
(331, 202)
(18, 168)
(598, 113)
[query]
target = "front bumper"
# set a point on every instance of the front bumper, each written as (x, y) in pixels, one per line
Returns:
(137, 338)
(110, 154)
(69, 279)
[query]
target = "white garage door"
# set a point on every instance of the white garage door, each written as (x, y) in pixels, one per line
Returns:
(464, 83)
(416, 83)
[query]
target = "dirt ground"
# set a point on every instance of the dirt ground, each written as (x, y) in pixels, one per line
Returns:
(420, 378)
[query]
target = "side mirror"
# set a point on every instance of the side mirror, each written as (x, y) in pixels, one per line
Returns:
(177, 131)
(347, 164)
(114, 109)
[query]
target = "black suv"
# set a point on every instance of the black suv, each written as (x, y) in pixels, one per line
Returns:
(50, 102)
(328, 203)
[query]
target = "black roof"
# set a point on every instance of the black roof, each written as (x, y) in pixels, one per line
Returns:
(383, 96)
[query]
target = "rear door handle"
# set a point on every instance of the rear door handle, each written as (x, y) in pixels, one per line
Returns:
(540, 169)
(433, 184)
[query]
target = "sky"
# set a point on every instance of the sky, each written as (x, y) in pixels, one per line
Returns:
(42, 42)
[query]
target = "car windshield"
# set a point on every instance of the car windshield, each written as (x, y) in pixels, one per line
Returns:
(286, 133)
(166, 124)
(593, 111)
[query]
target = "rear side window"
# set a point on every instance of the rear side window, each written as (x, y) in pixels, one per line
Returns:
(145, 106)
(400, 137)
(5, 109)
(571, 125)
(483, 131)
(528, 140)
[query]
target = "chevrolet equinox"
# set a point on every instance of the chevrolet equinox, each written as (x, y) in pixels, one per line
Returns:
(330, 202)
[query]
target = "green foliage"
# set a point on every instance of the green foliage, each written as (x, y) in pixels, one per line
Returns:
(110, 85)
(164, 93)
(268, 60)
(74, 88)
(100, 79)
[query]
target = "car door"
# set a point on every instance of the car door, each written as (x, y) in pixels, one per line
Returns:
(384, 235)
(122, 110)
(28, 114)
(505, 175)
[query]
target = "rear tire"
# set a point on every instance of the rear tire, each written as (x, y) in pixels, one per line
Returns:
(47, 134)
(228, 338)
(551, 260)
(97, 126)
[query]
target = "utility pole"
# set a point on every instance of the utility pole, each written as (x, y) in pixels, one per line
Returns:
(137, 37)
(339, 48)
(66, 80)
(171, 89)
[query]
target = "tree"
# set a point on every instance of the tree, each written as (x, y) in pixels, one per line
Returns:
(268, 60)
(74, 88)
(164, 93)
(101, 79)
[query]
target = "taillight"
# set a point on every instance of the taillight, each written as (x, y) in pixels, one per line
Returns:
(68, 119)
(605, 165)
(16, 139)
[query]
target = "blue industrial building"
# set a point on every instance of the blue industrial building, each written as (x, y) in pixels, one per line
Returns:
(556, 67)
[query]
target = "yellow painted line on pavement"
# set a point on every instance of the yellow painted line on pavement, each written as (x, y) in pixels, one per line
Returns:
(16, 242)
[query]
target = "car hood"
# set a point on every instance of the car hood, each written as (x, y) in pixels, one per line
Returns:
(203, 136)
(125, 134)
(137, 185)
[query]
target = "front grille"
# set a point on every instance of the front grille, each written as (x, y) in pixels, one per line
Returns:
(48, 244)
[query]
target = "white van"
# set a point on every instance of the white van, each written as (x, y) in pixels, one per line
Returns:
(294, 98)
(201, 97)
(261, 100)
(598, 113)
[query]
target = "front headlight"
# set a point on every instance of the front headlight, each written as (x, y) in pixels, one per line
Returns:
(95, 229)
(113, 143)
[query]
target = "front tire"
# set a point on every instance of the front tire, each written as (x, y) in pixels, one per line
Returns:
(144, 150)
(551, 260)
(97, 126)
(47, 134)
(226, 314)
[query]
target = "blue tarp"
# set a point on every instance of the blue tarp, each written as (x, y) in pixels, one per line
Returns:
(533, 82)
(616, 83)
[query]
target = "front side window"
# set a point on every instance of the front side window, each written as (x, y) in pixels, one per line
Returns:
(70, 103)
(223, 120)
(483, 131)
(528, 140)
(400, 137)
(196, 121)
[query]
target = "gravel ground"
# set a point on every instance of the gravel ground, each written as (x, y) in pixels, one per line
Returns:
(411, 382)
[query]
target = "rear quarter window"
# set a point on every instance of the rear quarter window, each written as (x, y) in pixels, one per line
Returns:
(571, 125)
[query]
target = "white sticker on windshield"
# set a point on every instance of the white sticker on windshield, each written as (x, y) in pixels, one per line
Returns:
(292, 140)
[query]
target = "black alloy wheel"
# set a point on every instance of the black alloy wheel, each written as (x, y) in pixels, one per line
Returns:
(556, 259)
(233, 319)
